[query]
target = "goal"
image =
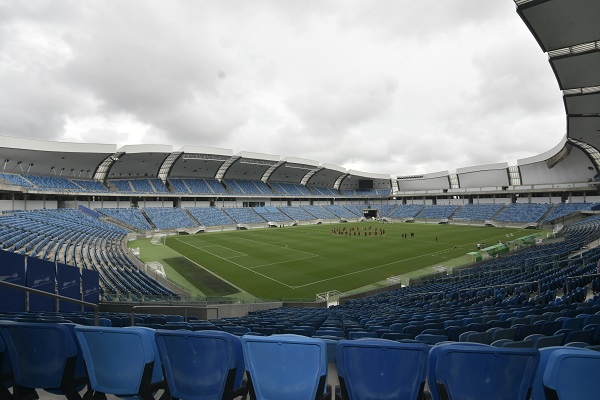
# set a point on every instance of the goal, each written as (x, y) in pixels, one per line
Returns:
(394, 280)
(159, 239)
(332, 298)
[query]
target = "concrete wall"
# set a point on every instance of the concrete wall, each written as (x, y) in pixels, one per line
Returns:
(202, 312)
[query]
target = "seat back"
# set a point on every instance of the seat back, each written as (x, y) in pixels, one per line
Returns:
(537, 391)
(120, 361)
(571, 373)
(285, 366)
(202, 364)
(381, 369)
(42, 355)
(482, 371)
(5, 372)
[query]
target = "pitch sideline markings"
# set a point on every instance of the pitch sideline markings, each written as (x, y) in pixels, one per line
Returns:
(283, 262)
(212, 273)
(240, 254)
(378, 266)
(287, 248)
(239, 265)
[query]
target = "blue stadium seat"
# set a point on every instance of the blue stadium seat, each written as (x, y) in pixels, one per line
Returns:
(121, 361)
(201, 365)
(288, 367)
(571, 373)
(478, 371)
(537, 391)
(42, 356)
(5, 372)
(381, 369)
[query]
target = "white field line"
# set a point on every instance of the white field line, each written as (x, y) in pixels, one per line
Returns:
(382, 265)
(239, 265)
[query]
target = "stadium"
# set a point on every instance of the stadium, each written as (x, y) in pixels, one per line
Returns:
(258, 273)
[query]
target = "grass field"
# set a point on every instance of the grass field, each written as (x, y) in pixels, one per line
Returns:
(298, 262)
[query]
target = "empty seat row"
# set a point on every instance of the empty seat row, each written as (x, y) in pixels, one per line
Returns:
(137, 362)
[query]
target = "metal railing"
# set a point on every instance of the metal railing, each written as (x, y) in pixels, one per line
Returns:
(53, 296)
(503, 286)
(171, 308)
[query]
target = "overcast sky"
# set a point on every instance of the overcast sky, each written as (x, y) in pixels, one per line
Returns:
(381, 86)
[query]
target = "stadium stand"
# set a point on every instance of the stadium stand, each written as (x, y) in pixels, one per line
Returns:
(478, 212)
(141, 186)
(406, 211)
(340, 211)
(169, 218)
(215, 186)
(121, 185)
(541, 302)
(297, 213)
(272, 214)
(90, 186)
(179, 186)
(129, 216)
(437, 211)
(244, 215)
(564, 209)
(159, 186)
(523, 213)
(290, 189)
(52, 182)
(16, 180)
(324, 191)
(318, 212)
(210, 216)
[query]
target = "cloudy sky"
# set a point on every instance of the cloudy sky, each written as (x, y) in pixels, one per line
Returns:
(383, 86)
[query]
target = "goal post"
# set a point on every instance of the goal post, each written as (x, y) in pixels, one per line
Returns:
(159, 239)
(332, 298)
(394, 280)
(155, 268)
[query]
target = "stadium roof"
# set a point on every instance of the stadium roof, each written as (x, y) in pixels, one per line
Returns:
(570, 33)
(105, 161)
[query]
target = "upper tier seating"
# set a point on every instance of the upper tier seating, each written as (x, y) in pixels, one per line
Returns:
(478, 212)
(564, 209)
(290, 189)
(244, 215)
(319, 212)
(406, 211)
(129, 216)
(179, 186)
(340, 211)
(523, 212)
(324, 191)
(437, 211)
(272, 214)
(15, 180)
(210, 216)
(247, 187)
(90, 186)
(169, 218)
(121, 185)
(297, 213)
(52, 182)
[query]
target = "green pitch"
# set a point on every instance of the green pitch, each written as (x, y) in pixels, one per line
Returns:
(299, 262)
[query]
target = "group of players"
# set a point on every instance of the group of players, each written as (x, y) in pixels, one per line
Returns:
(358, 231)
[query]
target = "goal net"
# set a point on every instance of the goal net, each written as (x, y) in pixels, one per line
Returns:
(154, 268)
(394, 280)
(158, 239)
(332, 298)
